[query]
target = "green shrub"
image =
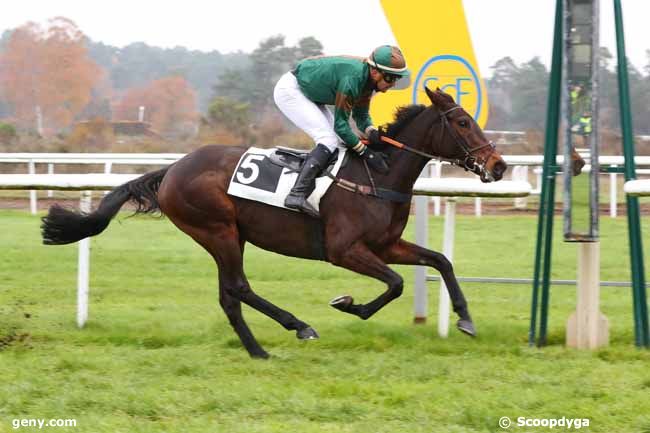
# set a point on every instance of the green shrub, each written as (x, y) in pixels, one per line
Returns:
(7, 133)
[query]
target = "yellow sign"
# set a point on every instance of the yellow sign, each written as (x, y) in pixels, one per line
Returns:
(435, 40)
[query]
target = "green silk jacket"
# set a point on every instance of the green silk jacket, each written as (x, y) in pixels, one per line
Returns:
(343, 82)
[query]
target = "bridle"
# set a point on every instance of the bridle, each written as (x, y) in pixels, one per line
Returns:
(469, 162)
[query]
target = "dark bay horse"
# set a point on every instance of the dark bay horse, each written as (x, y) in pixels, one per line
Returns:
(361, 233)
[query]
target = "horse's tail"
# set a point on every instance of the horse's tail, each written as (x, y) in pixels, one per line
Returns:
(63, 226)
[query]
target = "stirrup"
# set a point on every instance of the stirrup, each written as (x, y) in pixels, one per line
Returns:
(301, 205)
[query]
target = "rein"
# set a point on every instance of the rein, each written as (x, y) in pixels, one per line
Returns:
(469, 163)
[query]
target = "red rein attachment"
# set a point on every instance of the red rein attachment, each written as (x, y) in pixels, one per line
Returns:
(389, 141)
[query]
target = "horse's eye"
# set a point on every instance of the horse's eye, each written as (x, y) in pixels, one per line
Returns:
(463, 123)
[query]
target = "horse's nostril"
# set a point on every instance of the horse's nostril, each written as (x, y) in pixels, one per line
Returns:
(499, 168)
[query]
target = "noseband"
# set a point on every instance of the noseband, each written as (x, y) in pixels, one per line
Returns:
(470, 162)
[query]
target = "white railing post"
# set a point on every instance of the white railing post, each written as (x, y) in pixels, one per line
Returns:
(420, 298)
(448, 251)
(83, 265)
(477, 207)
(520, 172)
(613, 192)
(436, 172)
(108, 166)
(50, 170)
(31, 167)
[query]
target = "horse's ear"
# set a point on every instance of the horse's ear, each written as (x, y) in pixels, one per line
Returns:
(439, 98)
(431, 94)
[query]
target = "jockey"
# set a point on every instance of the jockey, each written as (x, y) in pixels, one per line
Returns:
(347, 83)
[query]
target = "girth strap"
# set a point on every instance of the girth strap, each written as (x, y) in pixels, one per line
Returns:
(380, 193)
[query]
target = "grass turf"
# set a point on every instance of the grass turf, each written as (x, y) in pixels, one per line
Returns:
(159, 355)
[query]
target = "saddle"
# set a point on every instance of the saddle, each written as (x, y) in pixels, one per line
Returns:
(293, 159)
(267, 175)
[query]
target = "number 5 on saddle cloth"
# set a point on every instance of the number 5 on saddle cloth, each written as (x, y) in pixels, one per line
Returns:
(267, 175)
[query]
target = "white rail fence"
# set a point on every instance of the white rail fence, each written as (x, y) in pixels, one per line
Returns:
(450, 188)
(74, 182)
(105, 159)
(638, 187)
(520, 169)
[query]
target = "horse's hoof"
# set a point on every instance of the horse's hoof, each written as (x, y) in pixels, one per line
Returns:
(342, 303)
(308, 333)
(260, 355)
(467, 327)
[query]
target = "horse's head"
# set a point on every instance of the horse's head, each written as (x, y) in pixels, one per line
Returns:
(460, 138)
(577, 162)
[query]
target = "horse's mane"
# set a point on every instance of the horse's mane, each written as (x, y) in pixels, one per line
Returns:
(403, 116)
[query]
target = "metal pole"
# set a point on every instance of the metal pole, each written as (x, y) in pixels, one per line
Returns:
(567, 109)
(594, 229)
(641, 332)
(547, 197)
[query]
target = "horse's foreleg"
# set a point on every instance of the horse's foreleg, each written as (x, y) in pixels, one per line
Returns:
(223, 243)
(360, 259)
(244, 293)
(232, 308)
(228, 253)
(406, 253)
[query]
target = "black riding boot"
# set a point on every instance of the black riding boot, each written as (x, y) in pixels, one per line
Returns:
(297, 198)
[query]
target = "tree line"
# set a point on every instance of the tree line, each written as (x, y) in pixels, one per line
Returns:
(518, 94)
(53, 76)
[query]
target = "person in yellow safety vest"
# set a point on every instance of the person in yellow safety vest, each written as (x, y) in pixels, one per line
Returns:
(583, 128)
(575, 94)
(585, 124)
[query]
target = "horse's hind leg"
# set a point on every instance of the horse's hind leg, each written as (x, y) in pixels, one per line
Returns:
(406, 253)
(360, 259)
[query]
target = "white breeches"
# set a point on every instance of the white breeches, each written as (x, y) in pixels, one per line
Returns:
(315, 119)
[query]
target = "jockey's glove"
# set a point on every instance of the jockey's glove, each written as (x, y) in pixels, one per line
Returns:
(374, 136)
(377, 161)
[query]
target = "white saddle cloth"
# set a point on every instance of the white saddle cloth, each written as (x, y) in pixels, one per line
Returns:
(257, 178)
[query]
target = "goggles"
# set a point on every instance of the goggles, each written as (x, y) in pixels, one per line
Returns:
(390, 78)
